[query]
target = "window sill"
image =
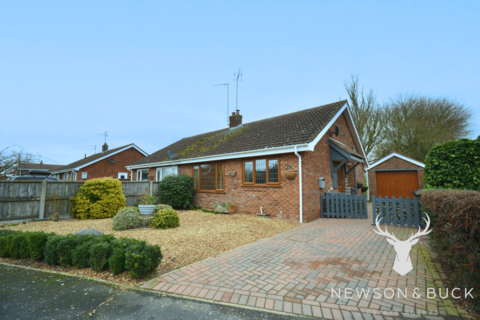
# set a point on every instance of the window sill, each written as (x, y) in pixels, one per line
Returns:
(262, 185)
(209, 191)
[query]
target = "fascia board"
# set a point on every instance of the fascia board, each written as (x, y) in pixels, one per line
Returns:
(236, 155)
(342, 152)
(140, 150)
(356, 134)
(398, 156)
(311, 145)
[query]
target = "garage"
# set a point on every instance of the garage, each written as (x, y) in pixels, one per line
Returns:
(396, 176)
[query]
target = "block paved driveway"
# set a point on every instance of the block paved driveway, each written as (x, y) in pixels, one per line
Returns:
(294, 272)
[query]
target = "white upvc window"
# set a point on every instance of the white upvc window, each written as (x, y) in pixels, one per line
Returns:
(122, 175)
(65, 176)
(84, 175)
(142, 175)
(166, 171)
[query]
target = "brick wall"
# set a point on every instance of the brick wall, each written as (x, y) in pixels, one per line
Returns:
(104, 168)
(391, 164)
(280, 202)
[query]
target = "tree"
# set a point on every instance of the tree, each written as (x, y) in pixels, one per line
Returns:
(370, 118)
(418, 123)
(10, 159)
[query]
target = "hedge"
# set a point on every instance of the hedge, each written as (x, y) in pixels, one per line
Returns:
(82, 251)
(455, 216)
(453, 165)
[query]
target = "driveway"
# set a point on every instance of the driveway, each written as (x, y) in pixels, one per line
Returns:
(295, 272)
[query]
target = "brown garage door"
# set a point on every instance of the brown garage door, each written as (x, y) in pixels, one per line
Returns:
(397, 183)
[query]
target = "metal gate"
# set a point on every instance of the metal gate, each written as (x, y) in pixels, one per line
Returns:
(342, 205)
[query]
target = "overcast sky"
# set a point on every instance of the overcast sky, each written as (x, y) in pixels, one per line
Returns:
(145, 70)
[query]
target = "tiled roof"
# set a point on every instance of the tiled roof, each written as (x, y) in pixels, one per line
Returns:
(31, 166)
(91, 158)
(290, 129)
(344, 147)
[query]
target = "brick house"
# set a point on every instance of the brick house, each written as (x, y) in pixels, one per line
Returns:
(395, 175)
(274, 164)
(108, 163)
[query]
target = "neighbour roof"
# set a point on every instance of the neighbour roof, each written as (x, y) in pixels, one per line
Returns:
(295, 128)
(398, 155)
(346, 148)
(31, 166)
(94, 157)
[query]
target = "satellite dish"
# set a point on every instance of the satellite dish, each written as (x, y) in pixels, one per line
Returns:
(112, 161)
(336, 131)
(171, 154)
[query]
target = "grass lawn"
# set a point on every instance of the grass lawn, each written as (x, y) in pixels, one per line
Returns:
(200, 236)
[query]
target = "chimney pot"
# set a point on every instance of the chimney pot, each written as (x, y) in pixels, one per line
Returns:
(41, 161)
(105, 147)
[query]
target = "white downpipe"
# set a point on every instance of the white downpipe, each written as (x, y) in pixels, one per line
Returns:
(368, 184)
(131, 174)
(300, 178)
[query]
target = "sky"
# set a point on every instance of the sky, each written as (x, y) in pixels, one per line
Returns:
(145, 70)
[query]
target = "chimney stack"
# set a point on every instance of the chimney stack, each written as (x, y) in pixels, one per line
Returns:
(41, 161)
(235, 119)
(105, 147)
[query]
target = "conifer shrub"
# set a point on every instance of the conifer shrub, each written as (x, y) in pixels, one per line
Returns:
(81, 255)
(127, 218)
(98, 198)
(117, 259)
(177, 191)
(36, 242)
(18, 246)
(165, 219)
(142, 259)
(99, 255)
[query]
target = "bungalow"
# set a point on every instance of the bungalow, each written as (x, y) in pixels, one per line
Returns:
(24, 168)
(108, 163)
(279, 165)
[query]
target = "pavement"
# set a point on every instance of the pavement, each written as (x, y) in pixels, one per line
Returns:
(34, 294)
(295, 271)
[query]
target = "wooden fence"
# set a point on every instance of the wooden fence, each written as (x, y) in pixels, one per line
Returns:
(30, 199)
(341, 205)
(398, 212)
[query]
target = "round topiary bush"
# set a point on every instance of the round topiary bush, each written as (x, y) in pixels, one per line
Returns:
(126, 218)
(98, 198)
(453, 165)
(166, 218)
(159, 207)
(177, 191)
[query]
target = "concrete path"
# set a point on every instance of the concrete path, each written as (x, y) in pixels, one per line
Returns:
(295, 272)
(33, 294)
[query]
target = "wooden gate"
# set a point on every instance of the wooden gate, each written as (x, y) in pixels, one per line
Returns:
(398, 212)
(396, 183)
(341, 205)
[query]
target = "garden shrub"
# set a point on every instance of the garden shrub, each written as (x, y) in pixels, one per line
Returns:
(159, 207)
(5, 246)
(142, 259)
(81, 255)
(455, 216)
(99, 254)
(18, 249)
(51, 252)
(453, 165)
(166, 218)
(177, 191)
(65, 249)
(36, 242)
(127, 218)
(98, 198)
(117, 259)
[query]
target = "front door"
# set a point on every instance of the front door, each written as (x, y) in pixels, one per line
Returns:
(341, 179)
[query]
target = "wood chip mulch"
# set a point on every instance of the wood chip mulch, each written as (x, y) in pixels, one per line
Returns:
(200, 236)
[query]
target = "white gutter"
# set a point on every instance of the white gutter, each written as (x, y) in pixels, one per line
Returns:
(300, 178)
(224, 156)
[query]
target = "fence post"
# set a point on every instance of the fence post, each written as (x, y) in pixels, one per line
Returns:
(151, 188)
(43, 195)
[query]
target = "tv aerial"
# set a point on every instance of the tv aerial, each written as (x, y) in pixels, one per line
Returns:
(171, 154)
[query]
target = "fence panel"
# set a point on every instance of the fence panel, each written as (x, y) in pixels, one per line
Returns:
(397, 212)
(22, 199)
(341, 205)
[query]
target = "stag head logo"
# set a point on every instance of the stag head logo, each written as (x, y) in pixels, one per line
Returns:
(403, 264)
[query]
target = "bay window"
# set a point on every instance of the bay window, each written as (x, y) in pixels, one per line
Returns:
(208, 177)
(261, 172)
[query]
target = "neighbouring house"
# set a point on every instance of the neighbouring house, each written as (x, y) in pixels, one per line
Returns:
(273, 165)
(24, 168)
(395, 175)
(108, 163)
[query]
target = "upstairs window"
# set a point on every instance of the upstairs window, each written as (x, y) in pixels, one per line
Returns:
(261, 172)
(208, 177)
